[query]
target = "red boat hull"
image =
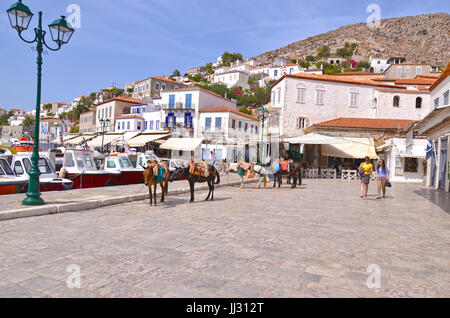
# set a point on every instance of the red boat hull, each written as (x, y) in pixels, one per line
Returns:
(127, 177)
(87, 181)
(47, 187)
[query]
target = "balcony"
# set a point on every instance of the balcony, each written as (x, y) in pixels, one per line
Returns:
(177, 106)
(213, 130)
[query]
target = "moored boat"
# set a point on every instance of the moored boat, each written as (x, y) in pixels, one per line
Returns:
(80, 168)
(127, 174)
(48, 180)
(9, 182)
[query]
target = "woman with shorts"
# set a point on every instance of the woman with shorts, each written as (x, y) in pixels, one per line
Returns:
(365, 178)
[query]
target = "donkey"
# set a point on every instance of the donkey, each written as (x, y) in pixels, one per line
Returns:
(294, 172)
(193, 175)
(260, 171)
(151, 179)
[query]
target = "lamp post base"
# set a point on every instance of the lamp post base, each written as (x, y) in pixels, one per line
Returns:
(33, 201)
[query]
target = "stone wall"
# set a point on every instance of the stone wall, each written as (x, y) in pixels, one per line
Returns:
(9, 132)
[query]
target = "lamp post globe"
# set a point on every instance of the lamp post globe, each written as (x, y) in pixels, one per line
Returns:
(20, 17)
(61, 31)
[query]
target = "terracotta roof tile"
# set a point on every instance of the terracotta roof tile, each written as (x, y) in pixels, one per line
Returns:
(370, 123)
(406, 91)
(416, 81)
(338, 79)
(356, 73)
(166, 79)
(227, 109)
(124, 99)
(130, 116)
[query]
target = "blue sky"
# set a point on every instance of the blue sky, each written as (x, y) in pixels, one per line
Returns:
(121, 41)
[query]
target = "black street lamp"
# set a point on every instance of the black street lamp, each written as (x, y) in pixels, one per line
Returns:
(263, 114)
(104, 123)
(61, 32)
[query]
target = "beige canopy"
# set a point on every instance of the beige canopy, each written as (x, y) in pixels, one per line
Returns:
(142, 140)
(78, 140)
(356, 148)
(182, 144)
(108, 138)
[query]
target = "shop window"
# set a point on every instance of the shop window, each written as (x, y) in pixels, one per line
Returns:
(411, 165)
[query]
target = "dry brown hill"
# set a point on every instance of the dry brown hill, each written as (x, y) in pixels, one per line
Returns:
(422, 38)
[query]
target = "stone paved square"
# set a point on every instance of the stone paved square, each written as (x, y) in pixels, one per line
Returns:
(315, 241)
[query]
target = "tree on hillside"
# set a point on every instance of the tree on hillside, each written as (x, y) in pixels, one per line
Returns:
(363, 65)
(245, 110)
(75, 130)
(344, 53)
(323, 52)
(311, 58)
(28, 121)
(176, 73)
(305, 64)
(209, 68)
(228, 58)
(47, 107)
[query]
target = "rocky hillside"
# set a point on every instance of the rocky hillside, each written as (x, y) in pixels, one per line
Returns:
(422, 38)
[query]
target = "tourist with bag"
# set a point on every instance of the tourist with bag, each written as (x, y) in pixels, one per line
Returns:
(382, 178)
(365, 170)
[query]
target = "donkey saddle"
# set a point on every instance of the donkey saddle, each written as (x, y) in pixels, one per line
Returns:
(199, 169)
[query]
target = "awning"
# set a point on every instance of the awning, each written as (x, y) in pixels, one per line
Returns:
(78, 140)
(315, 139)
(182, 144)
(126, 136)
(57, 141)
(417, 148)
(99, 140)
(356, 148)
(142, 140)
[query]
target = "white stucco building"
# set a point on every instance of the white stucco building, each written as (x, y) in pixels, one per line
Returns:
(405, 159)
(378, 65)
(233, 79)
(181, 108)
(305, 99)
(111, 110)
(233, 135)
(436, 126)
(128, 123)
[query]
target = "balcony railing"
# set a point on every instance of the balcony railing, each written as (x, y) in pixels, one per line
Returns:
(178, 106)
(213, 130)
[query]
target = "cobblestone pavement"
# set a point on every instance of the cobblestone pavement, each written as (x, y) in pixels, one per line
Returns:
(14, 201)
(316, 241)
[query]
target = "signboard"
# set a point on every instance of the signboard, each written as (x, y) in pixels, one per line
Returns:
(398, 166)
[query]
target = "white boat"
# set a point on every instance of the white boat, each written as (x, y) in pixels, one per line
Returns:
(9, 182)
(127, 174)
(79, 167)
(49, 180)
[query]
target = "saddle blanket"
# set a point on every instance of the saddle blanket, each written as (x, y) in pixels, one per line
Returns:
(199, 169)
(284, 166)
(245, 166)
